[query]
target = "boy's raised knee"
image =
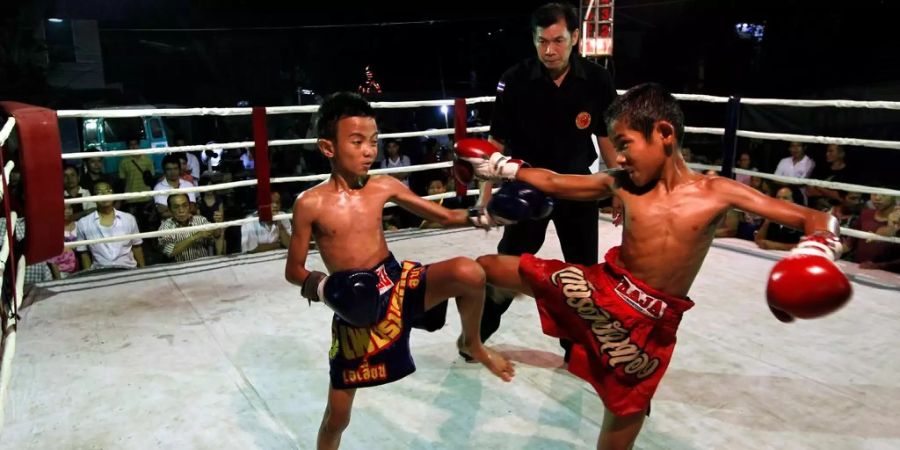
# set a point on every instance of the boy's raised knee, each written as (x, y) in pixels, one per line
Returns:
(468, 272)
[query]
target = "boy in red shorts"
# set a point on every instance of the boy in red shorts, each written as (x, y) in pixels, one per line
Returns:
(623, 314)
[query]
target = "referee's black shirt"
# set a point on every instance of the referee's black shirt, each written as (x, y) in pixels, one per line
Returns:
(550, 126)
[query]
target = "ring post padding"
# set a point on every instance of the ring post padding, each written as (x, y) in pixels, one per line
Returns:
(261, 163)
(459, 132)
(40, 163)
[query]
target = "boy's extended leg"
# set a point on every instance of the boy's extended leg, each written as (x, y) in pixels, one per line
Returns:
(463, 278)
(502, 271)
(336, 419)
(620, 432)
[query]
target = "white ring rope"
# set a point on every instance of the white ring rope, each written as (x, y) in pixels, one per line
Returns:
(245, 183)
(894, 145)
(218, 225)
(242, 111)
(173, 112)
(248, 144)
(878, 104)
(6, 171)
(863, 189)
(7, 129)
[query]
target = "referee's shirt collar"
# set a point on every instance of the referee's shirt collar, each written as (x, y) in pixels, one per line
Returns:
(576, 68)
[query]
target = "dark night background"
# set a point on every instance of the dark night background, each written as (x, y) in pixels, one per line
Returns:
(219, 52)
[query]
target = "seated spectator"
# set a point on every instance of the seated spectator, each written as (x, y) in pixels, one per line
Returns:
(189, 245)
(192, 161)
(211, 205)
(186, 174)
(835, 170)
(798, 165)
(66, 263)
(687, 154)
(436, 187)
(728, 227)
(744, 162)
(34, 273)
(264, 236)
(883, 219)
(107, 221)
(93, 172)
(136, 175)
(72, 189)
(762, 185)
(393, 158)
(172, 180)
(847, 211)
(774, 236)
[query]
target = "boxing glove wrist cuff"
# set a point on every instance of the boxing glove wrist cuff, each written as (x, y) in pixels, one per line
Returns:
(504, 167)
(313, 286)
(820, 243)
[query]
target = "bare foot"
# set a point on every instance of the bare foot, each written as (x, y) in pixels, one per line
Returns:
(495, 362)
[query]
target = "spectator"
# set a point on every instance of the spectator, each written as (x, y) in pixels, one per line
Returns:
(72, 189)
(687, 154)
(171, 180)
(136, 173)
(189, 245)
(261, 236)
(66, 263)
(882, 219)
(193, 162)
(835, 170)
(393, 158)
(211, 205)
(438, 186)
(107, 221)
(798, 165)
(744, 162)
(186, 174)
(775, 236)
(94, 172)
(34, 273)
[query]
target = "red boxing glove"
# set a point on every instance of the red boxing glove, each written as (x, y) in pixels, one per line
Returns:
(479, 158)
(808, 284)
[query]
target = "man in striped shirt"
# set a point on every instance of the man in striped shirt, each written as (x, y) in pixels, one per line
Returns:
(188, 245)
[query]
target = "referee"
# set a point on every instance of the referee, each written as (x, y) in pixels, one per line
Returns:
(546, 110)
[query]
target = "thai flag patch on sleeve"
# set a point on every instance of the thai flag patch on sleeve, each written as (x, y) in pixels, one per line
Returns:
(501, 86)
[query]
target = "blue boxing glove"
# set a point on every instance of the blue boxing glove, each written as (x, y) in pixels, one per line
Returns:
(352, 295)
(516, 201)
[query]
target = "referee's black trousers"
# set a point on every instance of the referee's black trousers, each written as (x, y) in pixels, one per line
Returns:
(576, 225)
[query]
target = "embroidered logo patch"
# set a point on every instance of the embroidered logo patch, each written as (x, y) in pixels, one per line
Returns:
(583, 120)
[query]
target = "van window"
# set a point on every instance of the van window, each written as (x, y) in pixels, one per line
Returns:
(91, 132)
(155, 129)
(124, 129)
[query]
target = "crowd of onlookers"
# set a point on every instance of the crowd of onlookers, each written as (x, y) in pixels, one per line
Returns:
(110, 218)
(875, 213)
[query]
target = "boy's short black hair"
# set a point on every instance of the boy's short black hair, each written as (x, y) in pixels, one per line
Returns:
(645, 104)
(551, 13)
(171, 158)
(337, 106)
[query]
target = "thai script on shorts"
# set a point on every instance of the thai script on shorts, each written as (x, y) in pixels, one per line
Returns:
(365, 374)
(614, 339)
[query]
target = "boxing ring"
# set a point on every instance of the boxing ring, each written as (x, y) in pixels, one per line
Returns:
(223, 353)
